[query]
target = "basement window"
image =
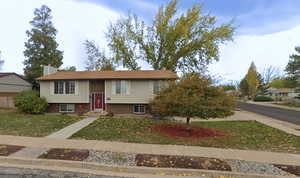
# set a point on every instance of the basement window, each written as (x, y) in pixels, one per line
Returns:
(139, 109)
(67, 108)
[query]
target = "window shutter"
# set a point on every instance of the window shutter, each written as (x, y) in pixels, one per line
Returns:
(128, 87)
(51, 87)
(113, 87)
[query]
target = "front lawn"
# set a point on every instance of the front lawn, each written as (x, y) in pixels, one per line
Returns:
(249, 135)
(13, 123)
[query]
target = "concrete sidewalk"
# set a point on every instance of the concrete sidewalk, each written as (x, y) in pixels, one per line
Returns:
(258, 156)
(74, 168)
(61, 134)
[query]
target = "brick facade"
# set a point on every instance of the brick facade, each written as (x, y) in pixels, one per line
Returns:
(79, 108)
(122, 108)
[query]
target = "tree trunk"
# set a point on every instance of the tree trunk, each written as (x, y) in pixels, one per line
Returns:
(188, 120)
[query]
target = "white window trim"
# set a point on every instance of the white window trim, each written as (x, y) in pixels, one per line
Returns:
(127, 85)
(64, 89)
(160, 85)
(139, 112)
(67, 108)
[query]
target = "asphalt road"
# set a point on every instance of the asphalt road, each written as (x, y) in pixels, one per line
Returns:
(12, 172)
(287, 115)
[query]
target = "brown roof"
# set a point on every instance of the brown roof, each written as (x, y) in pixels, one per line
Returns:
(139, 74)
(283, 90)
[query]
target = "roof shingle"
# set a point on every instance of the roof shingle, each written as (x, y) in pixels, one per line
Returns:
(139, 74)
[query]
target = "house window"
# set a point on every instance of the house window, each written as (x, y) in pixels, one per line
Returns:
(121, 87)
(58, 87)
(64, 87)
(139, 109)
(157, 86)
(67, 108)
(118, 87)
(70, 87)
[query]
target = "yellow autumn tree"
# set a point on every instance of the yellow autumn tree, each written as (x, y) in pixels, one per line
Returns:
(252, 79)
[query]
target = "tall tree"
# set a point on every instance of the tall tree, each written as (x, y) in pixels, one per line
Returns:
(270, 73)
(263, 86)
(252, 79)
(1, 61)
(244, 88)
(41, 47)
(68, 69)
(185, 42)
(97, 60)
(283, 82)
(293, 67)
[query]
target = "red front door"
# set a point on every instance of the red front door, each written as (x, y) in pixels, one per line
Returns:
(98, 101)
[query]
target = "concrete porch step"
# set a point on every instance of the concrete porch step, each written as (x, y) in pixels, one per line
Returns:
(96, 114)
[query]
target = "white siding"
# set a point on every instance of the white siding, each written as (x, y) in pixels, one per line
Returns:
(140, 91)
(81, 92)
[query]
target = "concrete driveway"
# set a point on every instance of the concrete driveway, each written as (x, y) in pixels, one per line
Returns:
(281, 114)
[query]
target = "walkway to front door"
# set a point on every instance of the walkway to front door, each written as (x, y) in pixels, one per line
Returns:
(97, 103)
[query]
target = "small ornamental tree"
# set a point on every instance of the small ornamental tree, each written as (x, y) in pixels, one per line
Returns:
(193, 96)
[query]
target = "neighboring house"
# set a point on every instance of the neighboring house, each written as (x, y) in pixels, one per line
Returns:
(233, 92)
(119, 92)
(283, 93)
(10, 85)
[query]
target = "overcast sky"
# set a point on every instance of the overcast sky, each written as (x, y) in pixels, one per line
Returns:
(267, 30)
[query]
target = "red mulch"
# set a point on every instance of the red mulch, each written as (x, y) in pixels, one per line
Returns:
(187, 131)
(66, 154)
(6, 150)
(288, 168)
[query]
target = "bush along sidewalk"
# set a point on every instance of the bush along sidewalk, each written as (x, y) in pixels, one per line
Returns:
(263, 99)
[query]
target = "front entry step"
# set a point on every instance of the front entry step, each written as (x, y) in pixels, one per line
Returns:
(96, 114)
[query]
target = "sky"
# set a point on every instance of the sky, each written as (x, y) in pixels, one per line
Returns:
(266, 30)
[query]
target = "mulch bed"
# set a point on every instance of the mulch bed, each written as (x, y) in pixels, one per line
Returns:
(66, 154)
(187, 131)
(289, 168)
(6, 150)
(189, 162)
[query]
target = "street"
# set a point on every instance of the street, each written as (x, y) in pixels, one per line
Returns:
(13, 172)
(286, 115)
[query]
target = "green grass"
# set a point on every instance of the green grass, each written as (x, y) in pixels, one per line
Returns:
(13, 123)
(289, 104)
(248, 135)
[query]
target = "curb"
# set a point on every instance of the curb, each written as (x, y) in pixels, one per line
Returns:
(95, 168)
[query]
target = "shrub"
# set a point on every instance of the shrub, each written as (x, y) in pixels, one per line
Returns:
(263, 99)
(30, 102)
(193, 96)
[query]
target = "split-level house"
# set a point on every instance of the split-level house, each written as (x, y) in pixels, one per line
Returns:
(119, 92)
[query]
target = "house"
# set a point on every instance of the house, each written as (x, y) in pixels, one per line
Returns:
(10, 85)
(119, 92)
(283, 93)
